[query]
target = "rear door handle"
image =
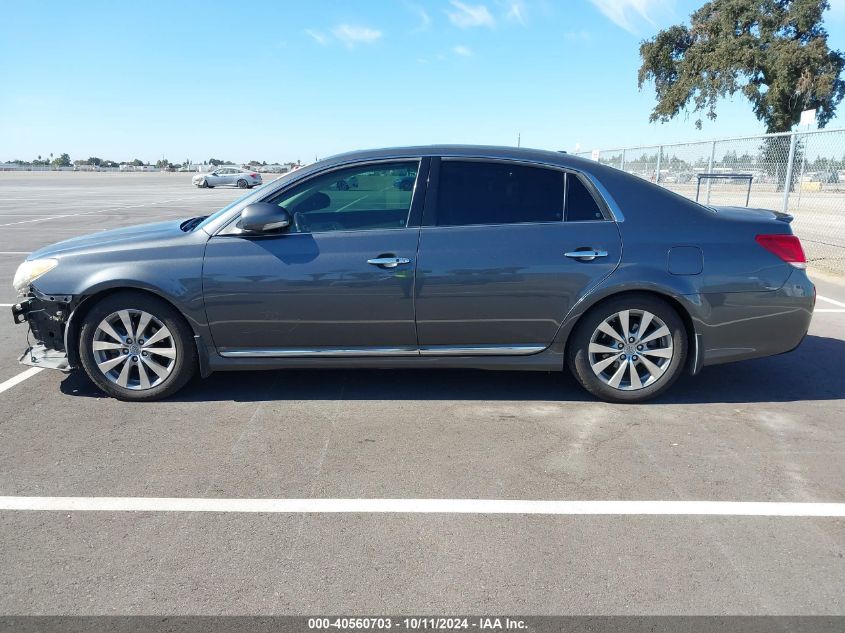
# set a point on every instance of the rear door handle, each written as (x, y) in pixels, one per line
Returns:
(388, 262)
(586, 255)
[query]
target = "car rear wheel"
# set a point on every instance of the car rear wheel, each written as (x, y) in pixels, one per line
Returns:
(628, 349)
(137, 347)
(242, 184)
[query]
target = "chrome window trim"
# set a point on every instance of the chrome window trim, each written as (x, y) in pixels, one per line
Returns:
(429, 350)
(224, 230)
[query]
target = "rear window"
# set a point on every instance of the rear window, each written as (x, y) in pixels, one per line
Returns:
(478, 192)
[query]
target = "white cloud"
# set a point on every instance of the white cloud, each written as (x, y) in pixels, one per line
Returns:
(318, 37)
(515, 11)
(422, 15)
(625, 13)
(352, 35)
(463, 51)
(469, 15)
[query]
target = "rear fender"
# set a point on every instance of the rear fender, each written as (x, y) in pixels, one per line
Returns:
(679, 291)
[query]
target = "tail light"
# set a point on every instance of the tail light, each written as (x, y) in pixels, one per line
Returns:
(254, 175)
(787, 247)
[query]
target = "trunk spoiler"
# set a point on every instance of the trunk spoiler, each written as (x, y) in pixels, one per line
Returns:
(750, 212)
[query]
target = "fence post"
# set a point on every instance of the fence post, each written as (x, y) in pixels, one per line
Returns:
(622, 166)
(659, 157)
(790, 165)
(710, 170)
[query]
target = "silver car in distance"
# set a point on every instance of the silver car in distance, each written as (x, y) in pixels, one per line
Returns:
(232, 176)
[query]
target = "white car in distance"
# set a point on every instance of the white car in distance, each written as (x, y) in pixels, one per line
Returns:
(233, 176)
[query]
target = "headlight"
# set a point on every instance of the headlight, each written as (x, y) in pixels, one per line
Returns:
(31, 270)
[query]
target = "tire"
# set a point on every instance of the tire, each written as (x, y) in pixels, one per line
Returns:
(342, 185)
(242, 184)
(168, 359)
(595, 357)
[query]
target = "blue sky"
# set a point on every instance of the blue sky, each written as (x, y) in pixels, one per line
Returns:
(288, 80)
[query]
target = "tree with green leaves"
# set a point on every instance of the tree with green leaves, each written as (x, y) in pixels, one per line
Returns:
(774, 52)
(62, 161)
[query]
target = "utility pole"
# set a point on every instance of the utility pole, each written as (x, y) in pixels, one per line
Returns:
(519, 139)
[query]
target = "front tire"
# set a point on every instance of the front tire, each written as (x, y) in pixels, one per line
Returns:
(137, 347)
(628, 349)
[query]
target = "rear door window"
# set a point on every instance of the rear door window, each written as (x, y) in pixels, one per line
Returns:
(489, 192)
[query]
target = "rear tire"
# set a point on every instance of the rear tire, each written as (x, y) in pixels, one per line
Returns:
(242, 184)
(628, 349)
(152, 361)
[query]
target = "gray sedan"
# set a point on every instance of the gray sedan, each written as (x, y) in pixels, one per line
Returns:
(494, 258)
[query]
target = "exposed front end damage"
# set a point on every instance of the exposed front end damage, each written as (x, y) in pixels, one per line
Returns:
(47, 317)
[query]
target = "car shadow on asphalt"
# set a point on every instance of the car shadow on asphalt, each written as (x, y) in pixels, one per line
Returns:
(811, 372)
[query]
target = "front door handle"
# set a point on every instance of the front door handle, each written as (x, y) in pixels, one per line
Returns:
(388, 262)
(586, 255)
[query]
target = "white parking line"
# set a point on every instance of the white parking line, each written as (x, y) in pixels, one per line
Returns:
(828, 310)
(424, 506)
(29, 373)
(833, 301)
(85, 213)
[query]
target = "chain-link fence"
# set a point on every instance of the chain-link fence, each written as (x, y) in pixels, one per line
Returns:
(802, 173)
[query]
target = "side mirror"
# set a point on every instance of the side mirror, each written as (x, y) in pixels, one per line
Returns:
(262, 217)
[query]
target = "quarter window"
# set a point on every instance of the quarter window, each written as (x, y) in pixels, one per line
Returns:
(580, 204)
(366, 197)
(479, 192)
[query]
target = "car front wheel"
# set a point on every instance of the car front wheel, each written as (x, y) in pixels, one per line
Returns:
(628, 349)
(137, 347)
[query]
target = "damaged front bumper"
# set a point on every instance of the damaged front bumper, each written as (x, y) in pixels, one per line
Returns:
(47, 318)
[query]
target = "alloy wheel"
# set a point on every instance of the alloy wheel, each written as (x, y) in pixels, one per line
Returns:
(134, 349)
(630, 350)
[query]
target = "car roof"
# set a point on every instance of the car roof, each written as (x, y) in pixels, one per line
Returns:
(476, 151)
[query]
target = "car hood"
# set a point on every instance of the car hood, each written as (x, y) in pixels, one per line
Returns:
(129, 235)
